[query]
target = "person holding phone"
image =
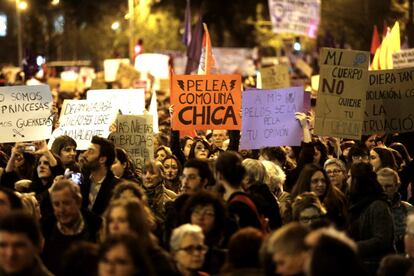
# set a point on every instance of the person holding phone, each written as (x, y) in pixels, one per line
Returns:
(45, 168)
(20, 166)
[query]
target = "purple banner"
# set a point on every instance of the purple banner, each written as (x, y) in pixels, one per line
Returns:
(268, 118)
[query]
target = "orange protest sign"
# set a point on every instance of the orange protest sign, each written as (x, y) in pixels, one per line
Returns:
(206, 101)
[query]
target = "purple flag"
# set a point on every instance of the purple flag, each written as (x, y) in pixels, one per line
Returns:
(187, 25)
(194, 48)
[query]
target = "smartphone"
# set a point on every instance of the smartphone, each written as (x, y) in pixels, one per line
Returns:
(76, 177)
(29, 148)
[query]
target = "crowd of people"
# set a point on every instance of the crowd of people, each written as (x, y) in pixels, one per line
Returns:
(203, 206)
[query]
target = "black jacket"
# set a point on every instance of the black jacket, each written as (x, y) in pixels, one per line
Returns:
(56, 243)
(104, 194)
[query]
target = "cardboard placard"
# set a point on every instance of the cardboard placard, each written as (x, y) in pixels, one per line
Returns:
(304, 67)
(403, 59)
(274, 77)
(111, 68)
(129, 101)
(127, 75)
(82, 119)
(295, 17)
(154, 64)
(134, 134)
(234, 60)
(269, 118)
(390, 101)
(341, 97)
(206, 101)
(26, 113)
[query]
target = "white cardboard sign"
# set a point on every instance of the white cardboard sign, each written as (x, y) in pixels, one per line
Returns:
(26, 113)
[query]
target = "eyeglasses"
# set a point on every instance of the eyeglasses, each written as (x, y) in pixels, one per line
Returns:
(189, 177)
(334, 171)
(191, 249)
(360, 157)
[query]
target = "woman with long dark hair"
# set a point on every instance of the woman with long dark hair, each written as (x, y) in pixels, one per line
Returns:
(123, 166)
(172, 173)
(370, 219)
(314, 179)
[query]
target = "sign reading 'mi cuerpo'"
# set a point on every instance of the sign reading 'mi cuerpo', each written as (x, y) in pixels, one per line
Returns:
(341, 96)
(390, 101)
(206, 101)
(25, 113)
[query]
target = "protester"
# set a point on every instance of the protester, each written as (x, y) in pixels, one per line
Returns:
(123, 167)
(371, 224)
(68, 225)
(194, 178)
(99, 181)
(173, 170)
(308, 210)
(409, 237)
(65, 147)
(161, 153)
(157, 194)
(390, 182)
(9, 201)
(200, 149)
(80, 259)
(20, 166)
(381, 157)
(218, 136)
(332, 253)
(275, 178)
(337, 173)
(242, 210)
(122, 254)
(394, 265)
(21, 243)
(288, 249)
(253, 184)
(208, 211)
(188, 249)
(243, 255)
(314, 179)
(130, 217)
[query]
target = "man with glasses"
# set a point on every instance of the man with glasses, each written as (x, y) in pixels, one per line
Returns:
(195, 177)
(357, 154)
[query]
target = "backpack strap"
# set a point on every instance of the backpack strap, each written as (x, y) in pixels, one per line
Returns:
(246, 200)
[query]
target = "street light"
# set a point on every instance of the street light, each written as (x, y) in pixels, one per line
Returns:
(115, 26)
(131, 11)
(20, 6)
